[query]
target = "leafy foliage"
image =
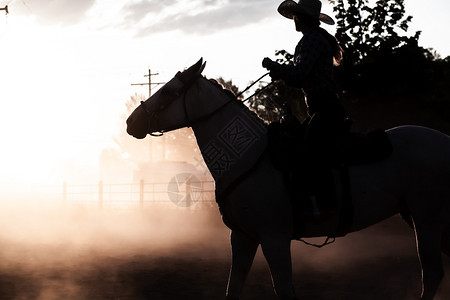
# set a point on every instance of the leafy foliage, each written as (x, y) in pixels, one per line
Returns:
(377, 52)
(362, 29)
(385, 72)
(386, 78)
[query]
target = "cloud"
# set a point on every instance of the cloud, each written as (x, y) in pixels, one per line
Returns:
(194, 16)
(135, 12)
(55, 11)
(151, 16)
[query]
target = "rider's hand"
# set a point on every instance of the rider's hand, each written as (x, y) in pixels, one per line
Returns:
(273, 67)
(267, 63)
(274, 75)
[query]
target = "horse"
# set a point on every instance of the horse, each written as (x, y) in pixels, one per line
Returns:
(254, 198)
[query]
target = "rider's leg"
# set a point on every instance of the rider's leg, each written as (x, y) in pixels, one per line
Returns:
(322, 153)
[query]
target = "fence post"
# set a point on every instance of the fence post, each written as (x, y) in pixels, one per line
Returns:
(64, 193)
(141, 194)
(100, 194)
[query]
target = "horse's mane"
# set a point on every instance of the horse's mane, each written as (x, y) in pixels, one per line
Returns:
(221, 87)
(236, 100)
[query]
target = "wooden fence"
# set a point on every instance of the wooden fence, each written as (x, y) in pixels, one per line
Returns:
(188, 194)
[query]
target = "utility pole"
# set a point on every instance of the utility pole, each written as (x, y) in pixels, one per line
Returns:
(5, 9)
(149, 83)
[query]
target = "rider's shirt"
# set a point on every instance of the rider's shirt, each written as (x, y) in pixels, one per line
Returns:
(312, 68)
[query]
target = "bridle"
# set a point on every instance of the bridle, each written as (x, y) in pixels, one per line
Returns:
(152, 116)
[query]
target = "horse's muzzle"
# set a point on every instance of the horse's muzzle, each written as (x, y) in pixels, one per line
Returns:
(134, 130)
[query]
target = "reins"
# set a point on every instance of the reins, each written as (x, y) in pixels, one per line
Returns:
(192, 121)
(189, 121)
(328, 241)
(252, 84)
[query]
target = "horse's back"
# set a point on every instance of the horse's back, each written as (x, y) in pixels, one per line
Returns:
(416, 177)
(418, 134)
(424, 155)
(421, 145)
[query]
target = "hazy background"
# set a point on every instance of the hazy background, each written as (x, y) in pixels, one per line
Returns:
(171, 254)
(66, 69)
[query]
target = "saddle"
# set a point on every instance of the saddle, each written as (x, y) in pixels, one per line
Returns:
(327, 201)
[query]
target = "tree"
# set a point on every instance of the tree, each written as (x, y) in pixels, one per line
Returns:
(386, 79)
(385, 73)
(379, 58)
(364, 29)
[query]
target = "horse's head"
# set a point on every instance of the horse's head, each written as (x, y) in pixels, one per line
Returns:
(166, 109)
(162, 112)
(182, 102)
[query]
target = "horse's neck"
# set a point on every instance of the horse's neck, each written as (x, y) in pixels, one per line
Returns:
(232, 118)
(232, 134)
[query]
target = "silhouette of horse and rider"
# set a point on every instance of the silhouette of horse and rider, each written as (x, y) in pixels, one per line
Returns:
(344, 186)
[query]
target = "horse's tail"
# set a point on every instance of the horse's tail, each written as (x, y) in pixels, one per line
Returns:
(445, 243)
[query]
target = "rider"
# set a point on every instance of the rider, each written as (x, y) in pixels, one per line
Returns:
(312, 71)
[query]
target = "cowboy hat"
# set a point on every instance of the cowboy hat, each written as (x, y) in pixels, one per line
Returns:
(312, 8)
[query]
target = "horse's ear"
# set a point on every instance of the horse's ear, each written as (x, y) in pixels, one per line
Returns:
(194, 70)
(201, 68)
(198, 66)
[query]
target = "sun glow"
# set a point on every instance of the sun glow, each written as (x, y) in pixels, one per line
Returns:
(50, 99)
(63, 91)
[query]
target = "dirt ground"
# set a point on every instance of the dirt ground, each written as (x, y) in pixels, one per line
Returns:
(186, 255)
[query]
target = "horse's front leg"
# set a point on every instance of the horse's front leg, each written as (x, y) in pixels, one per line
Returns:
(429, 250)
(243, 249)
(277, 251)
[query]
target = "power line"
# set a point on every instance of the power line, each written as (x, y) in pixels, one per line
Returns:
(149, 83)
(23, 2)
(5, 9)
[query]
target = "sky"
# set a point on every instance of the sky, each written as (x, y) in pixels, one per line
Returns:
(66, 67)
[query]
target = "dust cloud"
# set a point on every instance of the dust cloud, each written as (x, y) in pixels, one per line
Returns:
(74, 252)
(81, 253)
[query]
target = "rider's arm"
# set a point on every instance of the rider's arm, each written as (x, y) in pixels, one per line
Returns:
(308, 51)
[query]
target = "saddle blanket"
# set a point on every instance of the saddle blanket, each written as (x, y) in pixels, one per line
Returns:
(235, 148)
